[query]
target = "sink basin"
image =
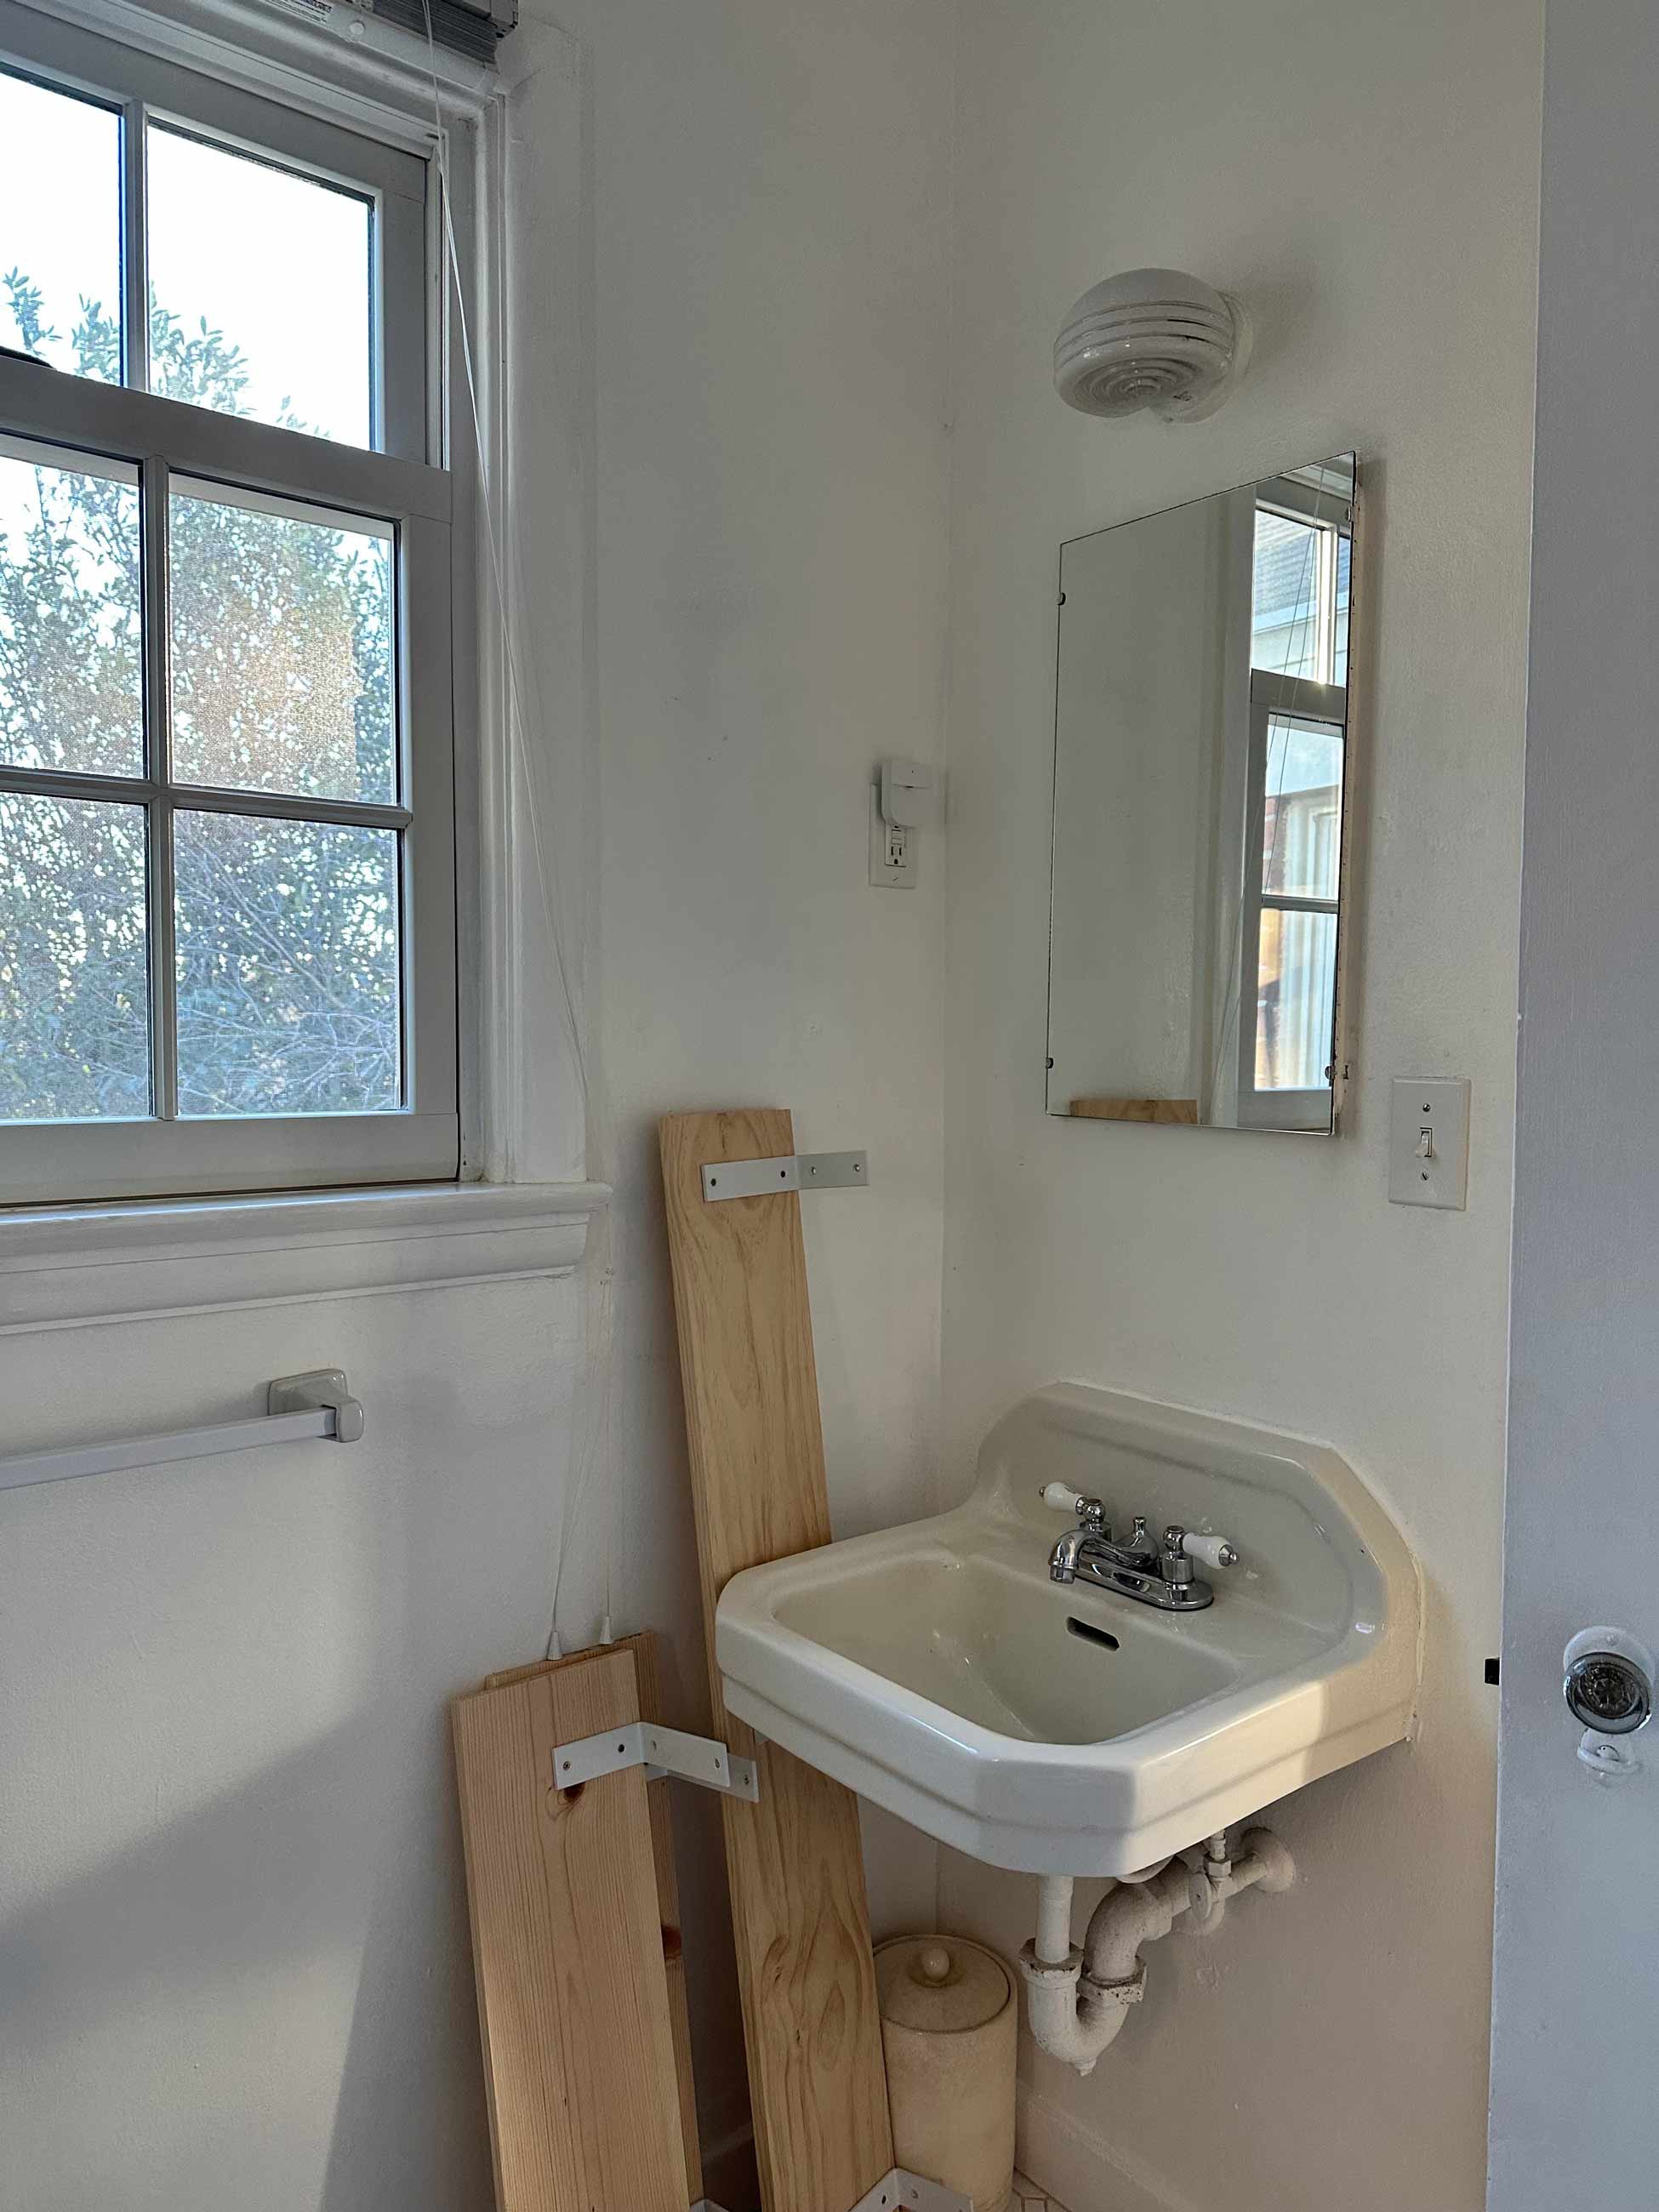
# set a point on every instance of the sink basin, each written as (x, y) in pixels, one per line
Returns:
(936, 1669)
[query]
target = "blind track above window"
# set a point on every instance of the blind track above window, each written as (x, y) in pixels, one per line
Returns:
(458, 25)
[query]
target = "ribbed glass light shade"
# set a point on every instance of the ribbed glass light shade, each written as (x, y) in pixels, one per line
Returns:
(1150, 338)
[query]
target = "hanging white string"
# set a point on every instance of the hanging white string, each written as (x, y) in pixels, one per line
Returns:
(590, 1458)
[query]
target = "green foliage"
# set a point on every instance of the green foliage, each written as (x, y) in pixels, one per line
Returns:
(282, 677)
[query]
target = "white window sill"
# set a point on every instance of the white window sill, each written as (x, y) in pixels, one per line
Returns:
(63, 1266)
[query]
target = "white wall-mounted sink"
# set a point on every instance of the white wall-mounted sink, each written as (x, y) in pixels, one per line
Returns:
(936, 1669)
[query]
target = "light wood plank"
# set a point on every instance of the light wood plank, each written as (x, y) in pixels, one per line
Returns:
(1180, 1112)
(643, 1646)
(567, 1936)
(811, 2025)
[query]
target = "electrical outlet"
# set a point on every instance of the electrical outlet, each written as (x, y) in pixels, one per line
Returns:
(892, 849)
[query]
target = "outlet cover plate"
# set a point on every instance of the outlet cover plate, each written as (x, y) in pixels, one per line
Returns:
(884, 872)
(1440, 1176)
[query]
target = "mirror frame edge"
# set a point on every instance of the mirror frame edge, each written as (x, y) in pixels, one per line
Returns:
(1349, 876)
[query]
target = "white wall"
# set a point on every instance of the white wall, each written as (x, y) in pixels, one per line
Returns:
(770, 246)
(1366, 177)
(233, 1965)
(234, 1960)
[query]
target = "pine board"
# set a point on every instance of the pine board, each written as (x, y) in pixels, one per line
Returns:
(643, 1646)
(811, 2025)
(567, 1952)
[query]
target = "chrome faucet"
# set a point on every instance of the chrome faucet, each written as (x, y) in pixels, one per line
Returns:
(1158, 1574)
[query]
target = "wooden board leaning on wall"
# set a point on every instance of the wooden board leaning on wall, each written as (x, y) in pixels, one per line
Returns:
(811, 2025)
(576, 1945)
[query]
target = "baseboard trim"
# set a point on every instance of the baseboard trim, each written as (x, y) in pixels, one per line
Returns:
(1077, 2168)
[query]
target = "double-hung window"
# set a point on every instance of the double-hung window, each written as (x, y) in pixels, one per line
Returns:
(228, 914)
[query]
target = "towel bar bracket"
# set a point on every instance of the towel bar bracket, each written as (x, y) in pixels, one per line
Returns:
(320, 1389)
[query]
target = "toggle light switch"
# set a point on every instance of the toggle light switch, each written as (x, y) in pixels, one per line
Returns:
(1429, 1141)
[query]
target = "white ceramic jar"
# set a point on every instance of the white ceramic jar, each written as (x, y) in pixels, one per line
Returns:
(949, 2023)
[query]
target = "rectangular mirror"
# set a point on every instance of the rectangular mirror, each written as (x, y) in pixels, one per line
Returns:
(1201, 775)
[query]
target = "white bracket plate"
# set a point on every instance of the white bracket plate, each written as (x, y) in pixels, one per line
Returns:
(895, 2190)
(723, 1179)
(661, 1751)
(900, 2189)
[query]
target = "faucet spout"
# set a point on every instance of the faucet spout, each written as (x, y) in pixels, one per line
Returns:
(1062, 1560)
(1099, 1548)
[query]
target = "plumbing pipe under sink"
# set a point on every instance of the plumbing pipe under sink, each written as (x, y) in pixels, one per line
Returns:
(1078, 1999)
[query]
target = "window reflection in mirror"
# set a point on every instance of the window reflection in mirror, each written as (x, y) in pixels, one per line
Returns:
(1200, 781)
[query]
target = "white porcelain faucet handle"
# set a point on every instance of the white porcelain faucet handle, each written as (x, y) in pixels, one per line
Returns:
(1210, 1551)
(1061, 1497)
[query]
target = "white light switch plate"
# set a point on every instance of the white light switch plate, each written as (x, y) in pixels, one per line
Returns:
(1429, 1169)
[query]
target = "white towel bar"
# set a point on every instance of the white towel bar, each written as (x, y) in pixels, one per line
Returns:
(316, 1404)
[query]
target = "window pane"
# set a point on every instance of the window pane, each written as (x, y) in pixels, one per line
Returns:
(288, 967)
(74, 972)
(1301, 810)
(260, 291)
(1284, 612)
(282, 651)
(71, 692)
(60, 228)
(1295, 1001)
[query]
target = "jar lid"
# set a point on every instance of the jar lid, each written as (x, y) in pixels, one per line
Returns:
(941, 1984)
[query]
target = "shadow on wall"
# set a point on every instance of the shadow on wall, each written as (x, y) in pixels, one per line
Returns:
(234, 1909)
(425, 2008)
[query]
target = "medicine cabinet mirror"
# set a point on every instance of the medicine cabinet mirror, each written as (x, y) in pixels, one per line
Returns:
(1201, 781)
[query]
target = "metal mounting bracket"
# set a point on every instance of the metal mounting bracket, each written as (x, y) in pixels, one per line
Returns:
(723, 1179)
(898, 2191)
(659, 1751)
(900, 2187)
(319, 1389)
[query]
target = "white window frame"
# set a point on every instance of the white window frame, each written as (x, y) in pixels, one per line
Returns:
(400, 488)
(523, 1205)
(139, 85)
(1280, 698)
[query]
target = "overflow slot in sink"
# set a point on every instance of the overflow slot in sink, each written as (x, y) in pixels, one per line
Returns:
(1090, 1633)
